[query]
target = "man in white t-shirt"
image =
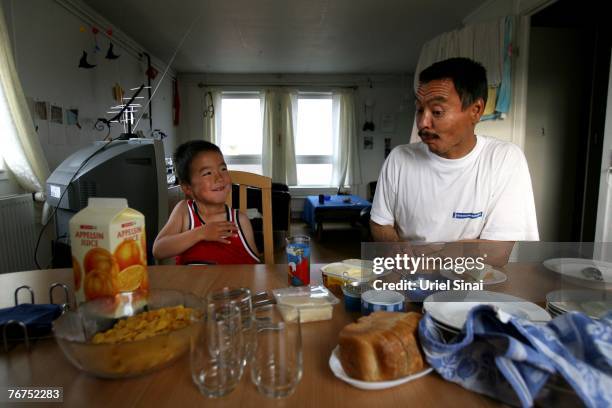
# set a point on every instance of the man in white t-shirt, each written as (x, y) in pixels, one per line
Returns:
(454, 185)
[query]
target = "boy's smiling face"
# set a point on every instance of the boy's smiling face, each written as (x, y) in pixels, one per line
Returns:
(210, 180)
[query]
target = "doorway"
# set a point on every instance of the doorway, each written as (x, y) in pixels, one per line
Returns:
(569, 64)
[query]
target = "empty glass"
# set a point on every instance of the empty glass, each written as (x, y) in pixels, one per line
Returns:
(243, 299)
(276, 368)
(216, 350)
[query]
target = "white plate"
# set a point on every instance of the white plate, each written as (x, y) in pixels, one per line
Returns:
(497, 276)
(336, 367)
(553, 312)
(591, 302)
(572, 268)
(444, 327)
(451, 307)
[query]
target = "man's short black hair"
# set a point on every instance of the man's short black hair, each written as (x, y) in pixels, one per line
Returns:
(185, 153)
(468, 76)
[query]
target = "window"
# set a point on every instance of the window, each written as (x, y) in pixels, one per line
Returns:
(314, 142)
(241, 131)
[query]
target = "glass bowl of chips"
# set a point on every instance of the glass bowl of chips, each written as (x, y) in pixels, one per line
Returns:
(130, 334)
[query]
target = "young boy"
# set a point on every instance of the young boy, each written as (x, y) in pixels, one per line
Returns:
(202, 229)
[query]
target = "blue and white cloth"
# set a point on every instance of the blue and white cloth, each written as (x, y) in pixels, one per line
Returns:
(511, 359)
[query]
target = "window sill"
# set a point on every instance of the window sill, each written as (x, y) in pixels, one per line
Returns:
(303, 191)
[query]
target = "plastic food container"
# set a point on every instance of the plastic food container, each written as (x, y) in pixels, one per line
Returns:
(74, 331)
(336, 274)
(314, 303)
(387, 300)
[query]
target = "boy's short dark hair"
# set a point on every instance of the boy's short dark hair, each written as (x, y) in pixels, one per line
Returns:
(468, 76)
(184, 154)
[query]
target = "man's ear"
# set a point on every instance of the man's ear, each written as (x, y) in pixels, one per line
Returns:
(476, 110)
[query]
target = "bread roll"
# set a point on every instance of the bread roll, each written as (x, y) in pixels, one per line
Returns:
(381, 347)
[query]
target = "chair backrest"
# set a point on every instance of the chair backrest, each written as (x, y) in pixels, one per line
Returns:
(244, 180)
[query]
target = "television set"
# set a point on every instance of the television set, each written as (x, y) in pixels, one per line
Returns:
(134, 169)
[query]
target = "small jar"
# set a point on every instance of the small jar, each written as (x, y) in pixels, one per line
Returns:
(352, 294)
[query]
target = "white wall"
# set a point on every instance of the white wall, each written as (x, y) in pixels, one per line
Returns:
(603, 231)
(47, 45)
(8, 184)
(391, 94)
(553, 126)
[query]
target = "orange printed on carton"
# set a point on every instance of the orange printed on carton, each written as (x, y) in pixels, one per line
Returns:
(108, 250)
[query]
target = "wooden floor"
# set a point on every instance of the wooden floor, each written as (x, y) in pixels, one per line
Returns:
(339, 241)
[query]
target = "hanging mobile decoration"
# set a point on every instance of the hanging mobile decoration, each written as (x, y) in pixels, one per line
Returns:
(83, 63)
(369, 122)
(95, 32)
(151, 72)
(110, 54)
(118, 93)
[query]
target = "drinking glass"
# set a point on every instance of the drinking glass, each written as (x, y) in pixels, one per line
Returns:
(276, 368)
(298, 260)
(243, 299)
(216, 350)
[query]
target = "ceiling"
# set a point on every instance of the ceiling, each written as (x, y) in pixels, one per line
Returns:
(286, 36)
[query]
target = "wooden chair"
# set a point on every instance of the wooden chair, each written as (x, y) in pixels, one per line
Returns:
(244, 180)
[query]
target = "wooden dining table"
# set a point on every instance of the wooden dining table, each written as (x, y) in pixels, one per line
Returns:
(44, 365)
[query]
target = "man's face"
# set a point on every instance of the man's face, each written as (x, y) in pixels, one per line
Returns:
(446, 128)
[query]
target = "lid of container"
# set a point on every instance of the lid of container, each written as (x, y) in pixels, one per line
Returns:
(305, 296)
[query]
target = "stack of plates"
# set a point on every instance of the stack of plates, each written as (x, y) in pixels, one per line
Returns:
(449, 309)
(593, 303)
(588, 273)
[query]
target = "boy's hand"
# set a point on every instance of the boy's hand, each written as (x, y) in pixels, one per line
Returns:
(217, 231)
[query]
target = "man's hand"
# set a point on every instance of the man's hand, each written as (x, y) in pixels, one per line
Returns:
(217, 231)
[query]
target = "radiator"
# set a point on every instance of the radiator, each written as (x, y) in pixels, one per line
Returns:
(18, 233)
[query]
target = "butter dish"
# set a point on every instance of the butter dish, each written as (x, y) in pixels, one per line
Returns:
(313, 302)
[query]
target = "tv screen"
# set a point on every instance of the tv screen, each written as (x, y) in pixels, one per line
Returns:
(134, 169)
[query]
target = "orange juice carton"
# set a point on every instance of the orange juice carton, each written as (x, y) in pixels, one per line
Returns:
(109, 255)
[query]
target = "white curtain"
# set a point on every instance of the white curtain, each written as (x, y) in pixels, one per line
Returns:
(271, 132)
(21, 148)
(482, 42)
(346, 169)
(278, 151)
(212, 123)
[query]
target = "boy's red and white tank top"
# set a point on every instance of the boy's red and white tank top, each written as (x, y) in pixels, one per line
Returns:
(211, 252)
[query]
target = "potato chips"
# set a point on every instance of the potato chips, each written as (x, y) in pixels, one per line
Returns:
(146, 324)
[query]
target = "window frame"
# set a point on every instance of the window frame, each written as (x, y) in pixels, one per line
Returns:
(312, 158)
(240, 159)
